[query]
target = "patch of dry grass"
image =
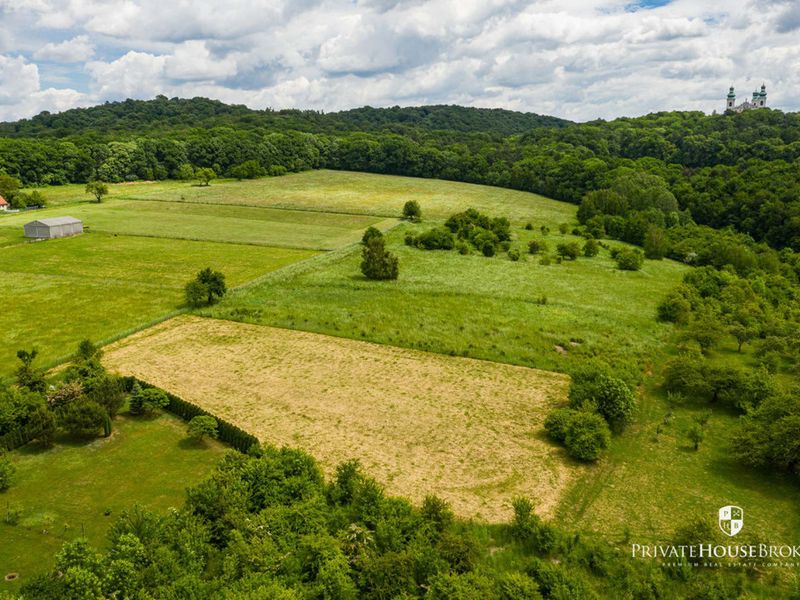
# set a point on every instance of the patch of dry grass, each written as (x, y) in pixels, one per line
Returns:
(466, 430)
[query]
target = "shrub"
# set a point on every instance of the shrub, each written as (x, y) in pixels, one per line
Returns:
(674, 308)
(82, 418)
(488, 249)
(202, 426)
(462, 247)
(695, 435)
(6, 471)
(536, 246)
(409, 240)
(557, 423)
(249, 169)
(544, 260)
(412, 211)
(513, 254)
(569, 250)
(544, 229)
(147, 401)
(277, 171)
(528, 226)
(563, 228)
(629, 259)
(378, 263)
(438, 238)
(591, 248)
(611, 397)
(587, 436)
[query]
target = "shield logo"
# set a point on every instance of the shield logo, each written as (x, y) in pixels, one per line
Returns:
(731, 520)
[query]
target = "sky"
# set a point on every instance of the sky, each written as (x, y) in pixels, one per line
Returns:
(577, 59)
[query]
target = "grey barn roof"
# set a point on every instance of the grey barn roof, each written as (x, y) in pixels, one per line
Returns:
(56, 221)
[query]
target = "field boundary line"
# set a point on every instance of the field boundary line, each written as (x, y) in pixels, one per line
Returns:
(263, 207)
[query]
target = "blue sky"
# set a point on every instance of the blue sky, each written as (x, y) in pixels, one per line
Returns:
(579, 59)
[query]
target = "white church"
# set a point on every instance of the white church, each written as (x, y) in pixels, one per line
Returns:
(759, 100)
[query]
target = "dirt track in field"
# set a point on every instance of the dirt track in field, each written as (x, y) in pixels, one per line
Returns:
(466, 430)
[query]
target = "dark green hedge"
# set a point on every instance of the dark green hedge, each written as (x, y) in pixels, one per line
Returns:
(228, 432)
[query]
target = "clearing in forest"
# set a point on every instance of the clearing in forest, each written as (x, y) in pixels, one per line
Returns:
(469, 431)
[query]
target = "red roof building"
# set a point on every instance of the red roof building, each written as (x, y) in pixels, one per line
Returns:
(4, 205)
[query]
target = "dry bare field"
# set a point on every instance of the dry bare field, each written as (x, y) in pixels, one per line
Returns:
(469, 431)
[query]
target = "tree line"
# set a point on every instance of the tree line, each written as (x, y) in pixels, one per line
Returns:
(725, 170)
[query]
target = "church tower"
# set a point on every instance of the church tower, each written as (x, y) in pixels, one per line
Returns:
(731, 100)
(762, 97)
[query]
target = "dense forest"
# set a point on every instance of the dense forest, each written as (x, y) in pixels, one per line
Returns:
(738, 170)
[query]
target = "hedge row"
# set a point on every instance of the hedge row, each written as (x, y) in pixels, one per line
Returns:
(18, 437)
(228, 432)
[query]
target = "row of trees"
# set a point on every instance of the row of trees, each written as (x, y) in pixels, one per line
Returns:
(731, 170)
(269, 525)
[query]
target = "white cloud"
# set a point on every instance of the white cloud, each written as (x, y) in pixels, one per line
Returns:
(78, 49)
(21, 94)
(579, 59)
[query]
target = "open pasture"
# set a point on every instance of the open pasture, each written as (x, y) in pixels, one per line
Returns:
(65, 492)
(466, 430)
(58, 292)
(487, 308)
(368, 194)
(232, 224)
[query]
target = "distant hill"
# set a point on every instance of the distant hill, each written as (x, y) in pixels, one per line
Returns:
(162, 115)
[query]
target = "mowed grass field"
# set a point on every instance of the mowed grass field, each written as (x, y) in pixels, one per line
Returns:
(99, 286)
(365, 194)
(466, 430)
(64, 492)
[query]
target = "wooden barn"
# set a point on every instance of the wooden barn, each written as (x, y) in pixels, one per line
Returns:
(57, 227)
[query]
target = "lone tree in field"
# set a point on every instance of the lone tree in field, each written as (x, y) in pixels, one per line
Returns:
(205, 175)
(206, 288)
(202, 426)
(377, 262)
(98, 189)
(412, 211)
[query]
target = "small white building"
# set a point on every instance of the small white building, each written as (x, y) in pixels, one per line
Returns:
(57, 227)
(4, 205)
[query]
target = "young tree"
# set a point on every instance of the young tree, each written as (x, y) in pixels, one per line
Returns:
(98, 189)
(591, 248)
(371, 233)
(656, 243)
(412, 211)
(7, 470)
(695, 435)
(29, 376)
(205, 175)
(378, 263)
(206, 288)
(202, 426)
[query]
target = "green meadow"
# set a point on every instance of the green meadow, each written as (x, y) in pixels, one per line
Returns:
(366, 194)
(544, 316)
(80, 488)
(99, 286)
(554, 316)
